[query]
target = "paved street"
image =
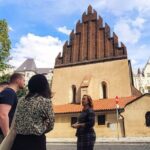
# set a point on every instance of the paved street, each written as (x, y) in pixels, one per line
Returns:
(103, 146)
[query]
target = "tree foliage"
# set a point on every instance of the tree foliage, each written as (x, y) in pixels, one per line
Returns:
(22, 92)
(5, 78)
(5, 44)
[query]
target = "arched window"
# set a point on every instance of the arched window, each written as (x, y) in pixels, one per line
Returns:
(73, 94)
(104, 90)
(147, 119)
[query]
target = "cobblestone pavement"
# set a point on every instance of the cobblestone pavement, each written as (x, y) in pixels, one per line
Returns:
(103, 146)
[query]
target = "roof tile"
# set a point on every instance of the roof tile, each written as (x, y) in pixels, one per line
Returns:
(99, 105)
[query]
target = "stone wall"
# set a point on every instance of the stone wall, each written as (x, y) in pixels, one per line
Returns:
(114, 73)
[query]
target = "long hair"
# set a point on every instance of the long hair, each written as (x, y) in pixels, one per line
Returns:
(38, 84)
(90, 101)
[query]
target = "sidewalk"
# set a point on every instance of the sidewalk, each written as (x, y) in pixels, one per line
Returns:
(103, 140)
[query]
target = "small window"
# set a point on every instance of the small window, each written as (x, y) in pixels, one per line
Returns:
(101, 119)
(147, 119)
(104, 90)
(73, 120)
(148, 74)
(73, 94)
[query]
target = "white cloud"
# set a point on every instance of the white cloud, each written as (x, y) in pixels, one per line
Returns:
(116, 7)
(138, 22)
(64, 30)
(10, 28)
(126, 32)
(120, 7)
(139, 55)
(69, 7)
(43, 49)
(132, 23)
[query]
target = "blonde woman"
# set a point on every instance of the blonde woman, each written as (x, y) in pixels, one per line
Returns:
(85, 133)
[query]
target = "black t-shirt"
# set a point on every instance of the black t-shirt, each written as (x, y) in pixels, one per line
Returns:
(8, 96)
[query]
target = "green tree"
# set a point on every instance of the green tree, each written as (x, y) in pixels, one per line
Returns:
(5, 45)
(22, 92)
(5, 78)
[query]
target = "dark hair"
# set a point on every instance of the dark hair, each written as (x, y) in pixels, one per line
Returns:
(15, 76)
(90, 101)
(38, 84)
(3, 83)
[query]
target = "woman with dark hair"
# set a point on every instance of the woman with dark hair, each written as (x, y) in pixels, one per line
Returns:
(34, 116)
(85, 133)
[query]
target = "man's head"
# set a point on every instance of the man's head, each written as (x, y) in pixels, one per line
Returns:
(18, 80)
(3, 85)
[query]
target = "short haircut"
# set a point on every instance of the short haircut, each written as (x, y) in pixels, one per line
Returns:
(15, 76)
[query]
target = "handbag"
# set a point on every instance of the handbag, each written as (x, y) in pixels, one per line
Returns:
(9, 139)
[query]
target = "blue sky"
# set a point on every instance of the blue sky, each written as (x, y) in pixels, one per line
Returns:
(39, 28)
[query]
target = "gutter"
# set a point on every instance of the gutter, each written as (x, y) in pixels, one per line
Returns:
(123, 126)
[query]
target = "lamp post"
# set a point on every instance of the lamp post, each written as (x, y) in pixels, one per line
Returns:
(117, 115)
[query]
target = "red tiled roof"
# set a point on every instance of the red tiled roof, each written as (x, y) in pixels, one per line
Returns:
(99, 105)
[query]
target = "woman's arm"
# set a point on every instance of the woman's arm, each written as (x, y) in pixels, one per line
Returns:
(49, 116)
(77, 125)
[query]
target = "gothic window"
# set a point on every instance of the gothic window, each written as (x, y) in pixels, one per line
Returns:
(73, 94)
(104, 89)
(147, 119)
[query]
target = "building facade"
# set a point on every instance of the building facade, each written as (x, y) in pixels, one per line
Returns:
(28, 68)
(142, 79)
(91, 59)
(133, 119)
(92, 62)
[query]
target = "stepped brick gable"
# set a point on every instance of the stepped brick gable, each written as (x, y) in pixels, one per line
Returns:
(90, 42)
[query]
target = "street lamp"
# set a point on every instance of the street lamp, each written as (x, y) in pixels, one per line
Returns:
(117, 115)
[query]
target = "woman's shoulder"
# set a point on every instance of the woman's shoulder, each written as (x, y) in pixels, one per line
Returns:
(43, 99)
(35, 98)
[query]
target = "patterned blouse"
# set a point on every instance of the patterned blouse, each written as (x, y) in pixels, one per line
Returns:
(34, 116)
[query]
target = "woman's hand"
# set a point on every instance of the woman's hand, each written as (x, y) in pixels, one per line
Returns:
(77, 125)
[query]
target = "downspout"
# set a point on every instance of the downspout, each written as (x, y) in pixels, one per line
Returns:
(123, 126)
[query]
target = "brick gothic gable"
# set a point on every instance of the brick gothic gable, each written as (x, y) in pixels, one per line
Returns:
(90, 43)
